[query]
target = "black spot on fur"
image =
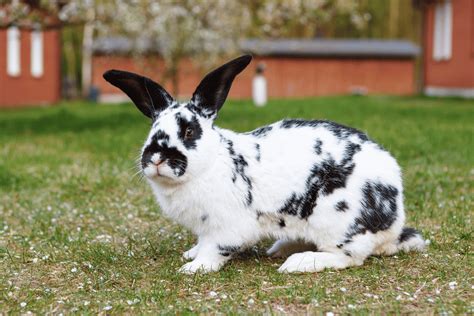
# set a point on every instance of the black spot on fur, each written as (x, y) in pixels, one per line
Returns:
(324, 178)
(292, 205)
(339, 246)
(341, 206)
(227, 250)
(292, 123)
(204, 217)
(174, 106)
(240, 164)
(262, 131)
(201, 111)
(172, 156)
(259, 214)
(333, 175)
(195, 128)
(347, 253)
(318, 147)
(338, 130)
(378, 209)
(407, 233)
(282, 223)
(258, 156)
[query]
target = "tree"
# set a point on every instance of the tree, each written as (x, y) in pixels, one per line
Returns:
(302, 18)
(203, 30)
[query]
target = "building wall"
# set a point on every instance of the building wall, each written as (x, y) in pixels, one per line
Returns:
(286, 76)
(458, 71)
(26, 89)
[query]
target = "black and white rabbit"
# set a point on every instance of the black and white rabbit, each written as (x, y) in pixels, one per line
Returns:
(330, 195)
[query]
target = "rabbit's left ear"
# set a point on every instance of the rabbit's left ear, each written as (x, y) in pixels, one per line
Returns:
(149, 97)
(214, 88)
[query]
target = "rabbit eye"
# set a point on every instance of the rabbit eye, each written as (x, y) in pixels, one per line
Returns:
(188, 133)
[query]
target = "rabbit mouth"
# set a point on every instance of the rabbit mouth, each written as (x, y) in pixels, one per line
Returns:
(152, 170)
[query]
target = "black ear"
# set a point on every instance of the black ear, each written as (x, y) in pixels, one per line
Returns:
(213, 89)
(148, 96)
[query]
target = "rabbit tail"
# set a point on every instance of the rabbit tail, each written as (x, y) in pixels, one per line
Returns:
(411, 240)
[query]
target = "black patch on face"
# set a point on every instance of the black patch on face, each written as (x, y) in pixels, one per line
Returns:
(282, 223)
(318, 147)
(226, 251)
(262, 131)
(341, 206)
(258, 156)
(347, 253)
(259, 214)
(240, 164)
(378, 209)
(192, 125)
(340, 131)
(324, 178)
(204, 217)
(407, 233)
(172, 156)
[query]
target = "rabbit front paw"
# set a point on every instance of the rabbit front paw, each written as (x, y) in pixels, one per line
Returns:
(191, 253)
(200, 266)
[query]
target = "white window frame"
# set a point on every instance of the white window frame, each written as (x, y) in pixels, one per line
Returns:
(37, 53)
(13, 51)
(443, 31)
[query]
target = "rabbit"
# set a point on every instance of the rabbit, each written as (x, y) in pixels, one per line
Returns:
(327, 193)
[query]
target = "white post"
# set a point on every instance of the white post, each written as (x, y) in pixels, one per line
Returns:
(259, 87)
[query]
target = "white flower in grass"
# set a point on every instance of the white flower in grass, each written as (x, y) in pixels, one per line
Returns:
(453, 285)
(74, 270)
(343, 289)
(212, 294)
(251, 301)
(22, 304)
(107, 308)
(329, 314)
(133, 302)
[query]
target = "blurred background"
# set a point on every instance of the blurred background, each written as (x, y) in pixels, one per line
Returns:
(53, 50)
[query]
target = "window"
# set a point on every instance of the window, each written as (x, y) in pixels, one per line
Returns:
(443, 30)
(13, 51)
(37, 53)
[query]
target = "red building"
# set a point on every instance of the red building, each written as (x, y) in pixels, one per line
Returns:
(29, 66)
(448, 47)
(294, 68)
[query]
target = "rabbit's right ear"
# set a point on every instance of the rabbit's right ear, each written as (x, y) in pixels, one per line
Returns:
(149, 97)
(212, 92)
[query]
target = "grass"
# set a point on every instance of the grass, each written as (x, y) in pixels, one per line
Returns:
(79, 233)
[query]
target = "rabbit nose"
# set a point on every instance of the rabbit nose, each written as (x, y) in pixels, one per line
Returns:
(157, 163)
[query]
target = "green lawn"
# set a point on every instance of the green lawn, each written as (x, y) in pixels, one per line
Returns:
(79, 232)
